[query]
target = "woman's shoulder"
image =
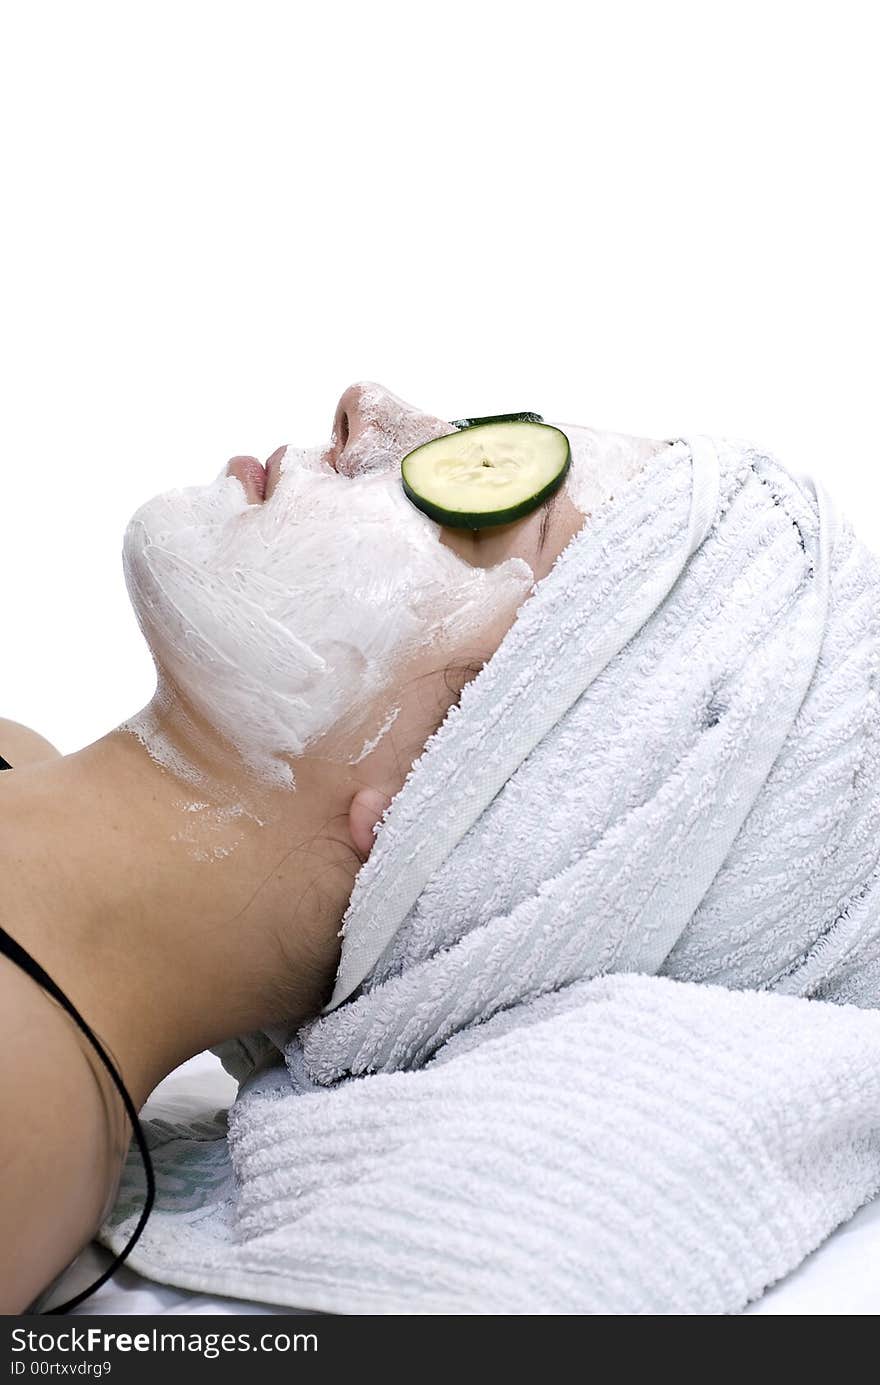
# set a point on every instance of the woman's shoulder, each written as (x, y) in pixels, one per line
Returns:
(19, 745)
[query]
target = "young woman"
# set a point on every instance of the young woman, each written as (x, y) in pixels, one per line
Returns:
(183, 879)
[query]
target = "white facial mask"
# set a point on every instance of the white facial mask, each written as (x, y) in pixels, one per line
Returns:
(284, 621)
(602, 464)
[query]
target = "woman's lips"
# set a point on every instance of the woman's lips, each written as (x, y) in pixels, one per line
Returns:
(252, 475)
(259, 481)
(273, 470)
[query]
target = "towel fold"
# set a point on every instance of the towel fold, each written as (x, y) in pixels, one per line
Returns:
(669, 767)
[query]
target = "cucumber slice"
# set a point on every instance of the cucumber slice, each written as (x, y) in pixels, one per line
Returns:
(497, 418)
(489, 473)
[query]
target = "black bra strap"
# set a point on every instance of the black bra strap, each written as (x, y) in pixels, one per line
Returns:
(17, 954)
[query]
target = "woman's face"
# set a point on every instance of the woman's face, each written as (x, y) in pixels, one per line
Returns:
(288, 605)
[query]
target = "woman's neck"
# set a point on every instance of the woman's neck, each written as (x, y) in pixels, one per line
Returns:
(175, 916)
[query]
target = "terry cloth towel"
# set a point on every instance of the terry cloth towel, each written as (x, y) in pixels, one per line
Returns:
(602, 1038)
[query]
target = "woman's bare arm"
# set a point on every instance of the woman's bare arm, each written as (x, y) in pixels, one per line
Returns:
(65, 1138)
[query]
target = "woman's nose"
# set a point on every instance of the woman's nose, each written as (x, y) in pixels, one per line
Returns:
(366, 408)
(349, 422)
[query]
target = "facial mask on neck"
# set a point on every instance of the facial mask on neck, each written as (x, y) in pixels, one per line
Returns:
(285, 621)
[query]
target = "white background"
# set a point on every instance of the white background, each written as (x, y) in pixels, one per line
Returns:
(655, 218)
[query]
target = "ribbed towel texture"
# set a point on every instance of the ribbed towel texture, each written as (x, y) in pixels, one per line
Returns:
(670, 768)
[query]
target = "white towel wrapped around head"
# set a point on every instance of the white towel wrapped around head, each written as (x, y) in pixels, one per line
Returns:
(707, 804)
(669, 767)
